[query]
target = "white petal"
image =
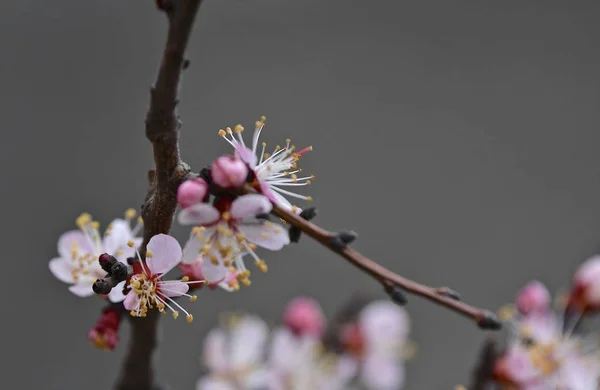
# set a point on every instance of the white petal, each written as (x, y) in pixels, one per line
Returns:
(210, 383)
(214, 351)
(213, 273)
(382, 374)
(198, 214)
(131, 300)
(83, 289)
(248, 341)
(71, 238)
(120, 233)
(62, 269)
(384, 323)
(116, 294)
(269, 236)
(283, 350)
(191, 249)
(258, 379)
(250, 205)
(166, 254)
(174, 288)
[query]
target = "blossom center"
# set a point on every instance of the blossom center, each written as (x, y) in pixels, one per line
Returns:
(146, 288)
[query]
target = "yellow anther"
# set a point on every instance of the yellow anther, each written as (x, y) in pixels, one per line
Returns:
(506, 312)
(83, 219)
(130, 243)
(252, 246)
(193, 298)
(228, 129)
(227, 263)
(132, 313)
(261, 265)
(214, 260)
(185, 279)
(308, 182)
(130, 214)
(222, 132)
(259, 124)
(266, 155)
(175, 314)
(294, 177)
(309, 198)
(246, 282)
(277, 147)
(95, 225)
(294, 209)
(149, 254)
(119, 252)
(226, 215)
(238, 128)
(140, 220)
(189, 318)
(288, 140)
(263, 118)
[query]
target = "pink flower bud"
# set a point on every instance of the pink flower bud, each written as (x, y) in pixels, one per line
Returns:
(191, 192)
(585, 294)
(229, 172)
(533, 299)
(304, 316)
(105, 334)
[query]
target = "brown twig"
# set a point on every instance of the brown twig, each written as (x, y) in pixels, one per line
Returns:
(442, 296)
(162, 130)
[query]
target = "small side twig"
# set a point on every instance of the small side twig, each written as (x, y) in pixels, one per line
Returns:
(339, 243)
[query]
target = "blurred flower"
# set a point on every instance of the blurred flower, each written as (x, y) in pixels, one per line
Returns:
(229, 172)
(228, 231)
(105, 334)
(147, 289)
(533, 299)
(79, 250)
(542, 352)
(191, 192)
(234, 355)
(585, 294)
(272, 171)
(303, 315)
(194, 272)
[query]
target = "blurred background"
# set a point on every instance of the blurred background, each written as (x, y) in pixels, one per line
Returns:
(458, 138)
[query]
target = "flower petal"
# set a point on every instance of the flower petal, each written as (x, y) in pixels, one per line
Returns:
(131, 300)
(213, 383)
(83, 289)
(248, 340)
(283, 350)
(116, 294)
(250, 205)
(173, 288)
(76, 238)
(213, 273)
(382, 374)
(383, 324)
(214, 350)
(116, 236)
(166, 254)
(191, 249)
(62, 269)
(270, 236)
(198, 214)
(246, 155)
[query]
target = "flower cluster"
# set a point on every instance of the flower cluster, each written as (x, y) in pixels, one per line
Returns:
(544, 350)
(245, 354)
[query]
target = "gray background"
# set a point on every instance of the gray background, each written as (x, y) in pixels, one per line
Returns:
(459, 138)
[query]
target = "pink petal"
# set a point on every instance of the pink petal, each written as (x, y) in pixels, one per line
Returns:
(213, 273)
(191, 249)
(174, 288)
(214, 383)
(120, 233)
(215, 350)
(62, 269)
(131, 300)
(166, 254)
(250, 205)
(534, 298)
(198, 214)
(228, 172)
(269, 236)
(116, 294)
(66, 241)
(248, 341)
(246, 155)
(83, 289)
(383, 322)
(382, 374)
(283, 350)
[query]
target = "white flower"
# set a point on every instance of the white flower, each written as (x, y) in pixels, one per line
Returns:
(234, 356)
(148, 289)
(384, 327)
(299, 363)
(78, 250)
(228, 231)
(273, 171)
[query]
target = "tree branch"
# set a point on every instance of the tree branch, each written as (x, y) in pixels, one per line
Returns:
(162, 130)
(337, 242)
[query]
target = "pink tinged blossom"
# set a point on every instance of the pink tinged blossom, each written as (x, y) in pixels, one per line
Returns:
(229, 172)
(79, 250)
(385, 327)
(304, 316)
(105, 334)
(533, 299)
(228, 231)
(274, 171)
(149, 290)
(381, 373)
(227, 280)
(233, 354)
(585, 294)
(191, 192)
(516, 368)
